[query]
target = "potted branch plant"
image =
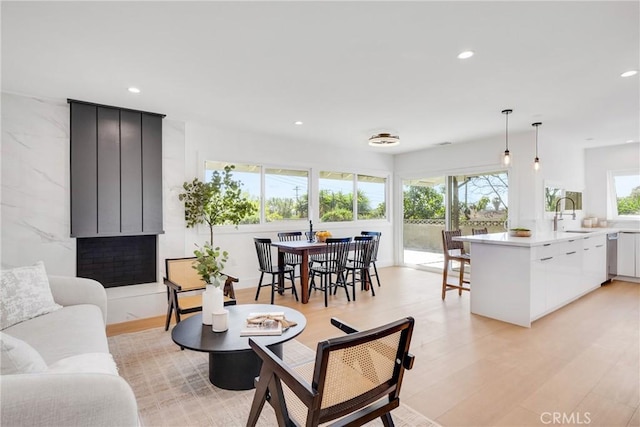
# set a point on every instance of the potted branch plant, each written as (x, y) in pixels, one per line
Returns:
(217, 202)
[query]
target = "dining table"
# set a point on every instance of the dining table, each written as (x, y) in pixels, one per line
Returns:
(303, 248)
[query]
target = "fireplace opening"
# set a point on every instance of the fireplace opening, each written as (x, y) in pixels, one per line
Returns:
(117, 261)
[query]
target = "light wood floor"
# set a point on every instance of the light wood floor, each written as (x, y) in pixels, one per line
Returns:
(577, 366)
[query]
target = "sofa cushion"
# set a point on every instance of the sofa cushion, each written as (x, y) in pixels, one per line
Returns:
(88, 363)
(67, 332)
(18, 357)
(24, 294)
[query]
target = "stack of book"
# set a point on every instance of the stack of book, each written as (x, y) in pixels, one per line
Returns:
(263, 324)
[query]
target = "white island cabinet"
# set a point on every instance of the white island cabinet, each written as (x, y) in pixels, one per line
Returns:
(520, 279)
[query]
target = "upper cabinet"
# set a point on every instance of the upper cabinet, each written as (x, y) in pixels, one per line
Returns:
(116, 171)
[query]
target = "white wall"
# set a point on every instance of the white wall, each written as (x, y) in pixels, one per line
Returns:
(598, 162)
(35, 208)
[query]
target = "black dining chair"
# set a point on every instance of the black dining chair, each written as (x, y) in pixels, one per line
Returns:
(291, 259)
(374, 256)
(266, 265)
(335, 254)
(360, 263)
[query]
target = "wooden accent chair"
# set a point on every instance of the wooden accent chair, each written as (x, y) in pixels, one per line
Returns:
(454, 251)
(353, 379)
(360, 263)
(182, 278)
(476, 231)
(374, 256)
(266, 265)
(334, 261)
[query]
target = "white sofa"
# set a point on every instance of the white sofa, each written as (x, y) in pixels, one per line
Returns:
(80, 386)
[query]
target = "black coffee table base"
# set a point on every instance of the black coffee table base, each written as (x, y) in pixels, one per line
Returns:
(237, 370)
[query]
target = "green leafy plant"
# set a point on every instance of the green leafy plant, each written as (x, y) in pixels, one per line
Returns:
(217, 202)
(210, 262)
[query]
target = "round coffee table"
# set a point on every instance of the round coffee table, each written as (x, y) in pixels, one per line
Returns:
(233, 365)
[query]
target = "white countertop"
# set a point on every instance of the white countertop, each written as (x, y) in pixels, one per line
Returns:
(537, 239)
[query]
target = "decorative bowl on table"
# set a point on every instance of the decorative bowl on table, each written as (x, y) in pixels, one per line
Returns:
(520, 232)
(321, 236)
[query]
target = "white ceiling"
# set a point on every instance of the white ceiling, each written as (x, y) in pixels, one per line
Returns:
(348, 70)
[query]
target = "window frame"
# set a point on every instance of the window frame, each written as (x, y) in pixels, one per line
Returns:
(612, 199)
(313, 191)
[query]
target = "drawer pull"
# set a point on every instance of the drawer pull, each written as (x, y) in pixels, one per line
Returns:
(547, 244)
(571, 253)
(586, 249)
(599, 246)
(570, 241)
(546, 259)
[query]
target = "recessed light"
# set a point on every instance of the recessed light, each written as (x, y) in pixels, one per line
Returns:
(298, 123)
(629, 73)
(466, 54)
(134, 90)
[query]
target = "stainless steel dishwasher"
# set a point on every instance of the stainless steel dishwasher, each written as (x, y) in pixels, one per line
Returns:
(612, 256)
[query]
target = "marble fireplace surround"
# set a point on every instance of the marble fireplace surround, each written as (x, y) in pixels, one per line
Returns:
(35, 205)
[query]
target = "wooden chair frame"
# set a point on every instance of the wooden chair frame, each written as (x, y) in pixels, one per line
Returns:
(266, 265)
(291, 259)
(361, 262)
(334, 261)
(193, 283)
(375, 402)
(374, 256)
(448, 245)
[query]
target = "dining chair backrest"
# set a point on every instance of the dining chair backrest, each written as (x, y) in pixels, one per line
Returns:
(291, 236)
(363, 251)
(477, 231)
(263, 250)
(376, 242)
(336, 253)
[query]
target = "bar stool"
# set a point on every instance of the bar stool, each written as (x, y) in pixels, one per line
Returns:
(459, 254)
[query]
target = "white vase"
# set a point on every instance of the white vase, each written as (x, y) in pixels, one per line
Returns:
(208, 301)
(218, 300)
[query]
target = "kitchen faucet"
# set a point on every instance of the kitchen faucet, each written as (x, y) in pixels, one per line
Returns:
(558, 215)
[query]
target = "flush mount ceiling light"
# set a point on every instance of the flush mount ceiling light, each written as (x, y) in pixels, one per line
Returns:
(507, 155)
(466, 54)
(384, 140)
(134, 90)
(629, 73)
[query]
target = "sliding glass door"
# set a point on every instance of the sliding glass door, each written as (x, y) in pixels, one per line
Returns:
(450, 202)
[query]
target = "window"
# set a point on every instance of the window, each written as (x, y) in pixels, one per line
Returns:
(249, 175)
(371, 197)
(625, 193)
(282, 194)
(285, 194)
(336, 197)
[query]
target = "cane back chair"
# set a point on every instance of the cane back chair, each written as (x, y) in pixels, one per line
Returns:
(183, 282)
(353, 379)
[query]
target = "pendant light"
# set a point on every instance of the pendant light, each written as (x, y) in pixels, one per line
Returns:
(507, 156)
(536, 161)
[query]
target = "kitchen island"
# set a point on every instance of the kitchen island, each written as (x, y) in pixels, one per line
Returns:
(520, 279)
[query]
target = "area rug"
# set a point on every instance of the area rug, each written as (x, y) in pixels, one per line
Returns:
(172, 386)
